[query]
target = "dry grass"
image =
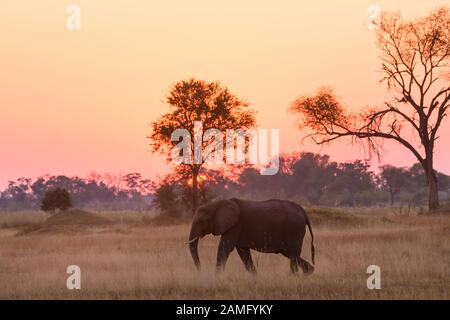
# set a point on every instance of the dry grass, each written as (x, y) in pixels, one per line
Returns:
(21, 219)
(139, 260)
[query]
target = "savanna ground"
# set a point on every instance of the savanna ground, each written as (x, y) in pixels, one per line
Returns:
(132, 256)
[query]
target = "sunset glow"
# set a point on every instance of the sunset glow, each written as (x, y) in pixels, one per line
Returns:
(224, 156)
(76, 101)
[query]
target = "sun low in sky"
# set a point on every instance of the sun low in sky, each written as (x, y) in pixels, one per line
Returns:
(72, 101)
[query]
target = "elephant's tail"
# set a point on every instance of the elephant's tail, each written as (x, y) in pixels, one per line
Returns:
(312, 238)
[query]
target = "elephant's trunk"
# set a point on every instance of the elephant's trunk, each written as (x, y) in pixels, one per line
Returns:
(193, 246)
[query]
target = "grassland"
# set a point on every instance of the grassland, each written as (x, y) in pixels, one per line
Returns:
(135, 257)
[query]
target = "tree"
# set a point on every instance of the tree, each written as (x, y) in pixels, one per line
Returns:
(394, 179)
(58, 198)
(313, 174)
(196, 100)
(136, 185)
(173, 194)
(354, 177)
(38, 187)
(444, 182)
(166, 199)
(415, 58)
(18, 194)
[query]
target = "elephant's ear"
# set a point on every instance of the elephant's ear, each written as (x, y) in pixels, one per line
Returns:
(227, 215)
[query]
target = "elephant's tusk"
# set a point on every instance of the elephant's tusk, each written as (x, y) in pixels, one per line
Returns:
(190, 241)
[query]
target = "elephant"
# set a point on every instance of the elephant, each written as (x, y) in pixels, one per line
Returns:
(271, 226)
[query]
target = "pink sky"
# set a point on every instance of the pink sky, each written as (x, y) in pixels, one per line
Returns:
(76, 101)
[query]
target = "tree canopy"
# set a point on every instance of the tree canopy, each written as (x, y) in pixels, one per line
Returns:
(197, 100)
(58, 198)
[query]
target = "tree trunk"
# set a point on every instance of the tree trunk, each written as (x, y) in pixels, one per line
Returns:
(433, 193)
(195, 171)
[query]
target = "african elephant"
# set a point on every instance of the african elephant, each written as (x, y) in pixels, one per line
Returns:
(272, 226)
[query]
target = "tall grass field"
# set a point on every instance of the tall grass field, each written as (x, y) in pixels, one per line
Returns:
(133, 255)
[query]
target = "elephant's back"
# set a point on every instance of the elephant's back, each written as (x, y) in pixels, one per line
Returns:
(273, 209)
(276, 215)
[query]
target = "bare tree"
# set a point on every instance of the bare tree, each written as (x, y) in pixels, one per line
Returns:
(415, 57)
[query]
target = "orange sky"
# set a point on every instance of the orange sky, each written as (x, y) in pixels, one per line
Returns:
(76, 101)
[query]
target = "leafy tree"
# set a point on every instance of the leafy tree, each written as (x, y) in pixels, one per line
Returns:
(19, 190)
(173, 195)
(250, 178)
(137, 185)
(166, 199)
(313, 174)
(353, 177)
(394, 179)
(18, 194)
(38, 188)
(196, 100)
(56, 199)
(415, 63)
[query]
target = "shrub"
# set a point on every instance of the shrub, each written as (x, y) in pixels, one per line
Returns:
(56, 199)
(166, 199)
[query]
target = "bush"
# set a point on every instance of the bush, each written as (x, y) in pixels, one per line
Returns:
(166, 199)
(56, 199)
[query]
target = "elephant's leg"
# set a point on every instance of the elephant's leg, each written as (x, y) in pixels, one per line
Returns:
(293, 250)
(227, 244)
(246, 258)
(225, 248)
(292, 259)
(294, 265)
(305, 265)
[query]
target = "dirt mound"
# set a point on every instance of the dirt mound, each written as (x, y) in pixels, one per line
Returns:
(76, 217)
(71, 221)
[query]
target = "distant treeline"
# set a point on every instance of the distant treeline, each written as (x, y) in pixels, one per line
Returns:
(304, 177)
(103, 192)
(308, 178)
